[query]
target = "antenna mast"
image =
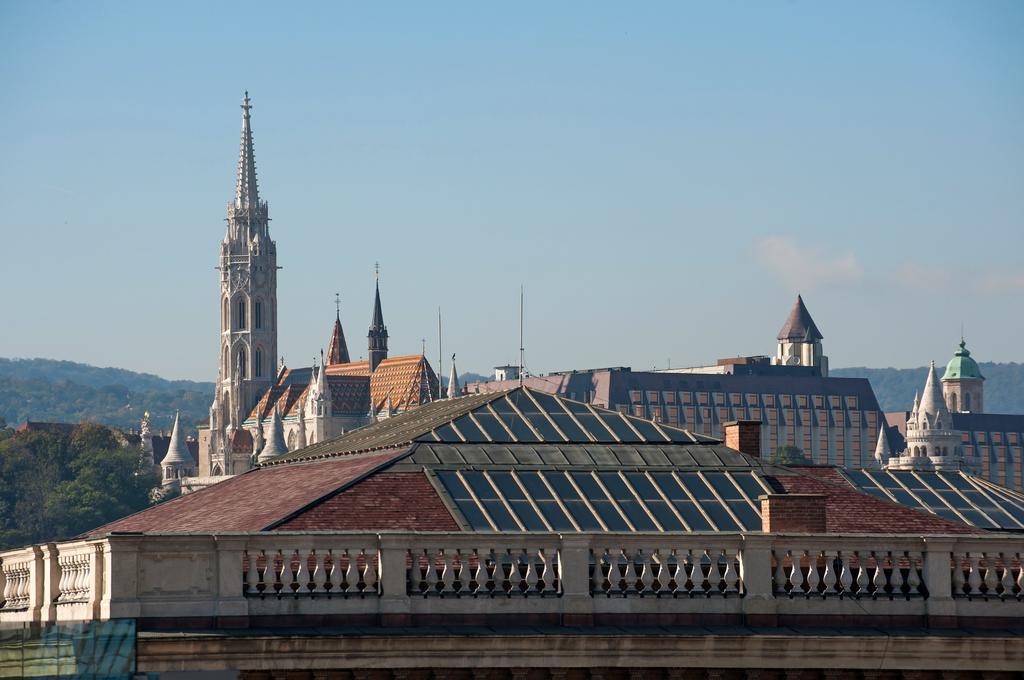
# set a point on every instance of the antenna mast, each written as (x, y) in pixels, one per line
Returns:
(440, 354)
(521, 355)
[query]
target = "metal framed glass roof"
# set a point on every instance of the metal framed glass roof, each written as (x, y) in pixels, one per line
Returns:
(956, 496)
(592, 500)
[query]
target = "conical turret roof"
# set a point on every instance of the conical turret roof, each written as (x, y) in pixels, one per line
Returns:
(933, 403)
(177, 451)
(882, 446)
(275, 439)
(337, 350)
(799, 327)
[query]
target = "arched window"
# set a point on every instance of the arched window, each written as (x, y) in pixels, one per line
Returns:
(924, 450)
(257, 315)
(967, 401)
(225, 322)
(257, 361)
(240, 314)
(242, 364)
(952, 402)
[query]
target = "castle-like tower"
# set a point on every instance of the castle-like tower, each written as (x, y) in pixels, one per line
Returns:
(963, 384)
(248, 311)
(800, 341)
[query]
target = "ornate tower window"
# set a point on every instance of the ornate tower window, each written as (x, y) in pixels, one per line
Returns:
(257, 362)
(240, 314)
(242, 363)
(257, 315)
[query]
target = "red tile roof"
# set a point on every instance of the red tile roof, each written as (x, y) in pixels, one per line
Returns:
(850, 511)
(385, 501)
(255, 500)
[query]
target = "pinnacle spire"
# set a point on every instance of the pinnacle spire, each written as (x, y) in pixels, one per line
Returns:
(882, 446)
(933, 403)
(377, 338)
(246, 190)
(377, 322)
(453, 382)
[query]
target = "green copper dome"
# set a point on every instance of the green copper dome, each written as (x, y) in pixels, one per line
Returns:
(962, 365)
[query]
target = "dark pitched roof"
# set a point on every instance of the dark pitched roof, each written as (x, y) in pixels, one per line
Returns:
(799, 326)
(520, 415)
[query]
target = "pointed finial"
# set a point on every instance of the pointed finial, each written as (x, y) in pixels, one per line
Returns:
(376, 271)
(423, 349)
(337, 304)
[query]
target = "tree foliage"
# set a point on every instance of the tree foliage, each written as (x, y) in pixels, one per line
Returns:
(55, 485)
(789, 455)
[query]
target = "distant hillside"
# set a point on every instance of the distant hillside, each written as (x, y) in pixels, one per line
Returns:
(895, 387)
(65, 391)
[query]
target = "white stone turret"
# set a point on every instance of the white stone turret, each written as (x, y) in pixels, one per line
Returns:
(178, 461)
(932, 442)
(275, 439)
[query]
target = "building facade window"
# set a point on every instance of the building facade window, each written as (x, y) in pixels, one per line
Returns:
(257, 363)
(240, 314)
(243, 363)
(257, 314)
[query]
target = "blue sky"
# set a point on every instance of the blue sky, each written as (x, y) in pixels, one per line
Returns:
(663, 179)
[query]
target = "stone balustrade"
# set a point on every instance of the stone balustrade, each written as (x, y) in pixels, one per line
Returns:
(328, 578)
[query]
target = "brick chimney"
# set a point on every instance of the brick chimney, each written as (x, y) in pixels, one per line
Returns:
(744, 436)
(802, 513)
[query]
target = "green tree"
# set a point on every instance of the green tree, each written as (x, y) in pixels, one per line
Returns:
(57, 485)
(789, 455)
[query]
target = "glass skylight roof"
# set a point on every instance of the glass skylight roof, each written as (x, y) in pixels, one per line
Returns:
(955, 496)
(605, 500)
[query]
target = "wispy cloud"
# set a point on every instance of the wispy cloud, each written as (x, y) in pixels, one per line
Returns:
(806, 266)
(998, 281)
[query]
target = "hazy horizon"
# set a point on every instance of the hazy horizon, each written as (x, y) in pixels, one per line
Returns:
(662, 179)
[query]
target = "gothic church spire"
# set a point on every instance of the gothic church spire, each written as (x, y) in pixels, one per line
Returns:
(246, 191)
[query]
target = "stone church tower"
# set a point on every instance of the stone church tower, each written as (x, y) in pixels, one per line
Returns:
(248, 311)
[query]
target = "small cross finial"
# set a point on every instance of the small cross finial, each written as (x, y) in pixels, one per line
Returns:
(376, 270)
(337, 303)
(245, 103)
(423, 351)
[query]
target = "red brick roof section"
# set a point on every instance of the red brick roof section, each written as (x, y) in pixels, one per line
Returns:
(255, 500)
(403, 501)
(851, 511)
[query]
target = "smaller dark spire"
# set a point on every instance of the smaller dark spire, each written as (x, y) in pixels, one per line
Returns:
(377, 338)
(337, 349)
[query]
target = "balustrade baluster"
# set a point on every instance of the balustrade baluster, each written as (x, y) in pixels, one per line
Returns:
(297, 567)
(531, 578)
(1020, 576)
(913, 575)
(1006, 577)
(431, 575)
(862, 574)
(249, 575)
(76, 577)
(974, 575)
(957, 574)
(828, 577)
(645, 572)
(319, 577)
(729, 575)
(597, 576)
(330, 565)
(796, 574)
(813, 578)
(491, 575)
(880, 580)
(447, 571)
(845, 580)
(989, 579)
